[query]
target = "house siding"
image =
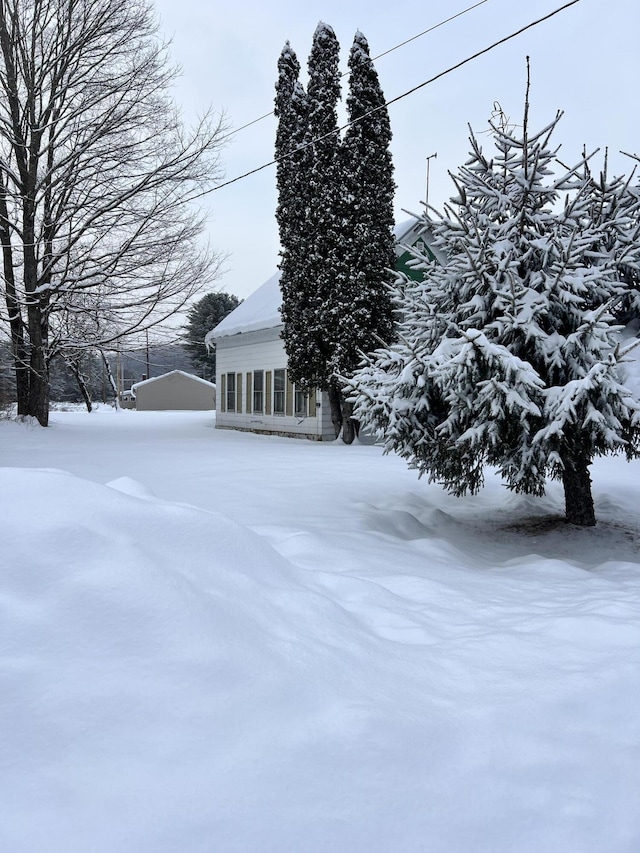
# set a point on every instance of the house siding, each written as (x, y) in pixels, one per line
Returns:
(264, 350)
(248, 339)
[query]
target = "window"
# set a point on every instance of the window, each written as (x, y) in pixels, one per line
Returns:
(258, 390)
(231, 392)
(279, 388)
(300, 404)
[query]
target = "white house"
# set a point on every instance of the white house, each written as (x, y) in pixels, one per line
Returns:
(251, 373)
(173, 391)
(254, 390)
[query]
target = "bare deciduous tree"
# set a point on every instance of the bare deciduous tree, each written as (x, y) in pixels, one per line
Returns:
(97, 179)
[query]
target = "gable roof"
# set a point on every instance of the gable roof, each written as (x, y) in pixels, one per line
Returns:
(404, 229)
(261, 310)
(171, 373)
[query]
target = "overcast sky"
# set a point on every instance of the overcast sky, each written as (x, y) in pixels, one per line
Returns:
(585, 61)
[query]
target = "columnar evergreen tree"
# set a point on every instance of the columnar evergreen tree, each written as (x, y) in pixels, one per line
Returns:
(364, 309)
(308, 304)
(335, 217)
(288, 134)
(508, 354)
(293, 159)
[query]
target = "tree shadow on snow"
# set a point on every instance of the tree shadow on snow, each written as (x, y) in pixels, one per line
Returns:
(496, 536)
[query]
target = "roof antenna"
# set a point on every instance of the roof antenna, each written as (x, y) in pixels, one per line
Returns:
(429, 159)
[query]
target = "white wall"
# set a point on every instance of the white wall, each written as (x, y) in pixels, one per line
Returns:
(263, 350)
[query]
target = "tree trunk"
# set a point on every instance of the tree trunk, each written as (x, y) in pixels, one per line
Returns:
(21, 370)
(579, 508)
(112, 381)
(38, 366)
(37, 320)
(74, 367)
(335, 400)
(350, 426)
(19, 348)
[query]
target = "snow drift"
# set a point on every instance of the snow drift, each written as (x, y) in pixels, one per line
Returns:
(424, 677)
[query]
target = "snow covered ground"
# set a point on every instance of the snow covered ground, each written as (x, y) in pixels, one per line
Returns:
(214, 642)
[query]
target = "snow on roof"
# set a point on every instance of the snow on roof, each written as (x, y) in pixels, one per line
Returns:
(258, 311)
(402, 230)
(261, 309)
(172, 373)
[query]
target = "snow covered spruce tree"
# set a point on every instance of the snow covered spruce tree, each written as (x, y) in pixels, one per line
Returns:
(335, 218)
(97, 176)
(508, 354)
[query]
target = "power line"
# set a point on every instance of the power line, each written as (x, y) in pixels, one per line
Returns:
(396, 99)
(430, 30)
(379, 56)
(482, 52)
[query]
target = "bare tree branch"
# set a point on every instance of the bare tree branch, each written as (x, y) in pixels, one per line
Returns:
(99, 235)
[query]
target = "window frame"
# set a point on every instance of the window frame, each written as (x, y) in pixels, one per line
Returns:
(258, 392)
(297, 396)
(231, 392)
(279, 394)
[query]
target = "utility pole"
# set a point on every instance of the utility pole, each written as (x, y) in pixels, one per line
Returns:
(118, 372)
(429, 159)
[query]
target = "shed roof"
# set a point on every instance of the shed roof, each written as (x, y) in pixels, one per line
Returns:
(172, 373)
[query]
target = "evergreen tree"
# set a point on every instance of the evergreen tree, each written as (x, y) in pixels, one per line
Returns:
(324, 232)
(508, 354)
(288, 135)
(335, 217)
(203, 316)
(288, 71)
(293, 163)
(306, 306)
(364, 309)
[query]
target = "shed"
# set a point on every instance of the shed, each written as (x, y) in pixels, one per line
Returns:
(173, 391)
